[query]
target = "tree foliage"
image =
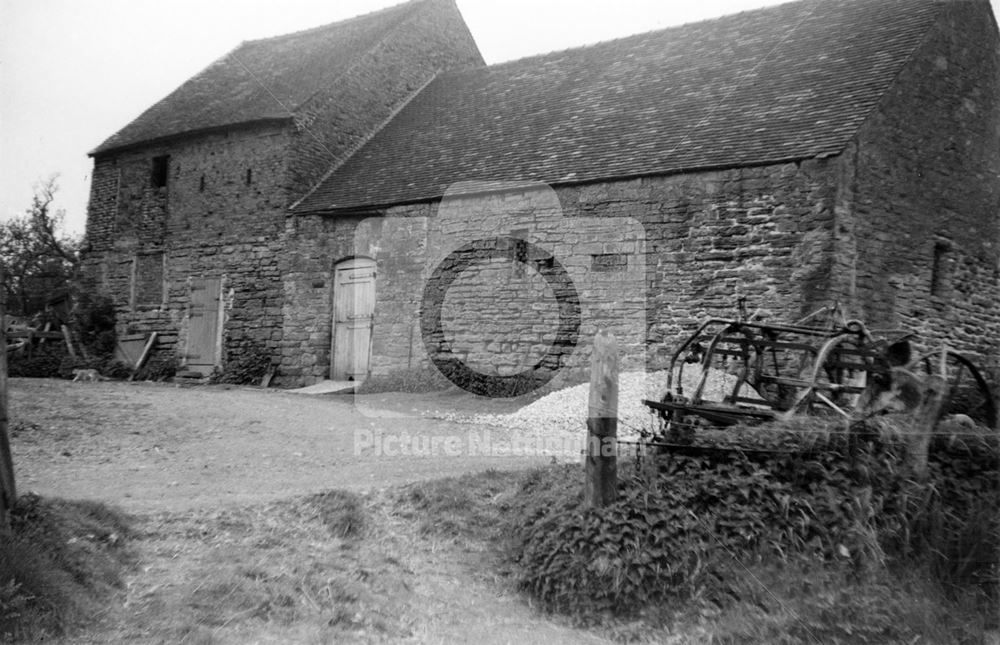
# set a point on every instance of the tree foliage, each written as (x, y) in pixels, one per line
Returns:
(38, 258)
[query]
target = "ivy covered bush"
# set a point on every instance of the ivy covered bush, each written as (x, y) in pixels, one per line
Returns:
(685, 527)
(245, 366)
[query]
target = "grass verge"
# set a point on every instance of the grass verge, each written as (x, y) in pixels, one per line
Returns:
(738, 552)
(60, 566)
(314, 569)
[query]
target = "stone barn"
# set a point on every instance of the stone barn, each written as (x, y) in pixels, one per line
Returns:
(189, 202)
(814, 152)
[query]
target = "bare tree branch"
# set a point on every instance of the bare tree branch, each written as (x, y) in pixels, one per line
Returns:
(35, 255)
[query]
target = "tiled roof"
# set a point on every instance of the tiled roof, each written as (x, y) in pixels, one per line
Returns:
(262, 79)
(787, 82)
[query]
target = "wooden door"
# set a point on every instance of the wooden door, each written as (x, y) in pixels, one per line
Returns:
(203, 349)
(353, 318)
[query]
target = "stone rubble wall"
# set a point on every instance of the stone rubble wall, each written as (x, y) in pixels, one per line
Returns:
(924, 178)
(690, 246)
(208, 221)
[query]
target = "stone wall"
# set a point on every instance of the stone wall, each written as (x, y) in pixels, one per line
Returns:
(706, 239)
(220, 215)
(224, 207)
(923, 180)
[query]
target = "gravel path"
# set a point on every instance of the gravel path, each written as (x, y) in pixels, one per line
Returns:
(154, 446)
(558, 420)
(151, 446)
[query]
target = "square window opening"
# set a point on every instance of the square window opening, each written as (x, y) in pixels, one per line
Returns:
(161, 167)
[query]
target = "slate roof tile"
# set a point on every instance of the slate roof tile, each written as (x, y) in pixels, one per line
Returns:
(270, 78)
(787, 82)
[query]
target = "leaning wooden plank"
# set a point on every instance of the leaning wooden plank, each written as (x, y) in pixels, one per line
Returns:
(69, 342)
(45, 334)
(145, 354)
(80, 344)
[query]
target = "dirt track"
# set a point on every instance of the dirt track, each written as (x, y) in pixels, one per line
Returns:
(151, 446)
(189, 450)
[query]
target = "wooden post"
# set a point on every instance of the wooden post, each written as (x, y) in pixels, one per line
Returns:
(8, 493)
(601, 466)
(934, 393)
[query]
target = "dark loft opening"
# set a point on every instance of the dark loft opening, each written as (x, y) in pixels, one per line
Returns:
(938, 268)
(249, 176)
(201, 184)
(160, 168)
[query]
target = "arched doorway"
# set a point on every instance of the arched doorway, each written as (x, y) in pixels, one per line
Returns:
(353, 317)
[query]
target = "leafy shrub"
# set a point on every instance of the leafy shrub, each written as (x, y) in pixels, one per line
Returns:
(159, 367)
(116, 369)
(664, 538)
(246, 366)
(680, 523)
(45, 361)
(93, 318)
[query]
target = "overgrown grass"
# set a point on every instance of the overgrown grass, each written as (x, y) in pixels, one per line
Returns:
(803, 601)
(60, 566)
(470, 506)
(342, 512)
(312, 569)
(778, 548)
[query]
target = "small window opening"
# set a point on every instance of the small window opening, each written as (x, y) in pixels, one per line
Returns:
(939, 269)
(609, 262)
(545, 264)
(520, 254)
(249, 176)
(160, 167)
(201, 184)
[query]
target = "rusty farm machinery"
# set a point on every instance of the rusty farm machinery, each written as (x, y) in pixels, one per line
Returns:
(746, 371)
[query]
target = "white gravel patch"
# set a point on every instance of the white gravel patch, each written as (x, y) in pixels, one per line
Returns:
(558, 420)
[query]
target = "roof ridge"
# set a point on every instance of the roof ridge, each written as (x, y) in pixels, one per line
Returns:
(411, 5)
(645, 34)
(349, 154)
(296, 110)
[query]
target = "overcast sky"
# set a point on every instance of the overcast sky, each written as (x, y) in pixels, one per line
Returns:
(73, 72)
